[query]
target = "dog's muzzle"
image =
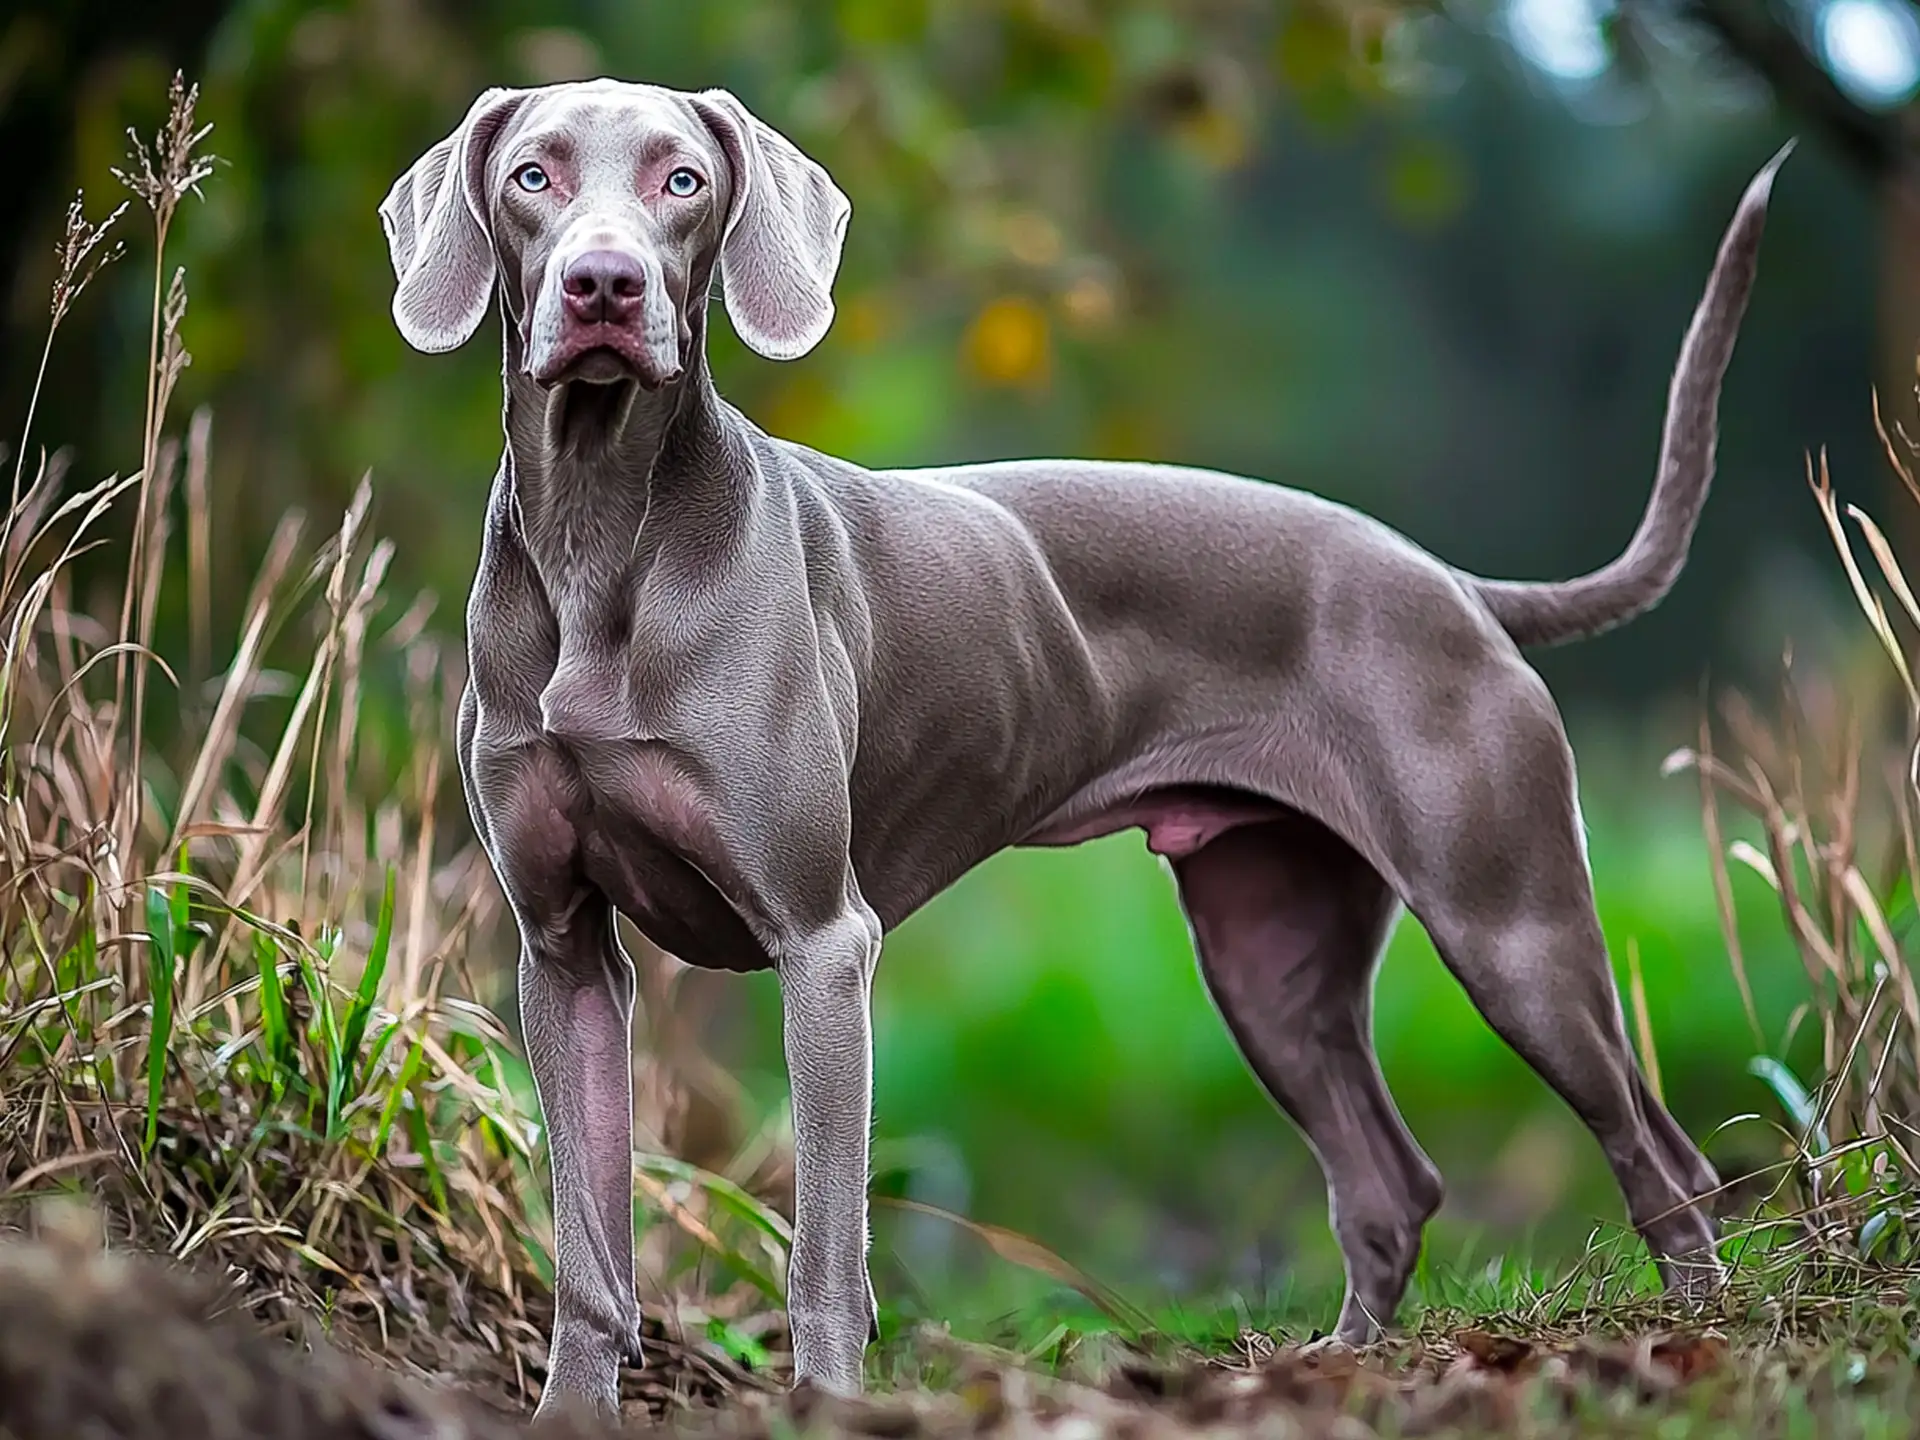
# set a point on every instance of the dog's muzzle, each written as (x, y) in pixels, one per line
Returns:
(607, 318)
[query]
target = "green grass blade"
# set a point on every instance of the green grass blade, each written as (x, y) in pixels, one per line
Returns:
(1878, 1226)
(422, 1136)
(324, 1028)
(397, 1095)
(160, 967)
(376, 1051)
(368, 990)
(86, 971)
(537, 1257)
(276, 1032)
(1793, 1098)
(66, 975)
(179, 911)
(335, 1043)
(737, 1344)
(774, 1235)
(724, 1193)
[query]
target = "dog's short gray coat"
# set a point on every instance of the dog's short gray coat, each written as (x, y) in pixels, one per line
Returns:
(766, 703)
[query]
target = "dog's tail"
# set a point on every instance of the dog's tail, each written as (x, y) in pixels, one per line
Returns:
(1550, 612)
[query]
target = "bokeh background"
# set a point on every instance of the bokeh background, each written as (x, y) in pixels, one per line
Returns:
(1434, 261)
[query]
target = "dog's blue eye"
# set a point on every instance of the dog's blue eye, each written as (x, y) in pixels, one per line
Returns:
(532, 178)
(683, 182)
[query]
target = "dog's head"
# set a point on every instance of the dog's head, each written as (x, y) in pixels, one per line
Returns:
(602, 210)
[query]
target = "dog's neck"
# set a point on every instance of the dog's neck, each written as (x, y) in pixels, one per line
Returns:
(603, 475)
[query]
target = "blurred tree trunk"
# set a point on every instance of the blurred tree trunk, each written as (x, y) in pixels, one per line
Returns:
(1885, 149)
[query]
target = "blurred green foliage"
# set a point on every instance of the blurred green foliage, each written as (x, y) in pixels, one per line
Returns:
(1366, 250)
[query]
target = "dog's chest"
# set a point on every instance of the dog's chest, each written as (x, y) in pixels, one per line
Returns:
(644, 836)
(588, 699)
(650, 847)
(572, 765)
(596, 689)
(645, 832)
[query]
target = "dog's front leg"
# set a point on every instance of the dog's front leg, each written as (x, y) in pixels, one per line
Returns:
(825, 980)
(576, 1004)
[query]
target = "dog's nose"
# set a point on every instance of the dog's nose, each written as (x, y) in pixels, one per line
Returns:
(603, 287)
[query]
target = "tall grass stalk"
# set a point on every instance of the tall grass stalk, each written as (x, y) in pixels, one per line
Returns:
(1826, 781)
(160, 175)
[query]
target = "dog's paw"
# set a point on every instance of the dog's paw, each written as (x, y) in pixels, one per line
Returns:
(1327, 1347)
(583, 1372)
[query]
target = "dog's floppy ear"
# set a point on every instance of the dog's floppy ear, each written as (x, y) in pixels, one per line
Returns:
(784, 228)
(437, 231)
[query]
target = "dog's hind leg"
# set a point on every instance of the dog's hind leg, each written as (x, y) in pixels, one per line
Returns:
(1544, 984)
(1691, 1168)
(1503, 888)
(1289, 923)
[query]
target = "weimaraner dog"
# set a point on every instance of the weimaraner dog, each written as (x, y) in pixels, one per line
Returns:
(766, 703)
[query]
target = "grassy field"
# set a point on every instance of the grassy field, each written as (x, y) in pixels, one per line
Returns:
(249, 949)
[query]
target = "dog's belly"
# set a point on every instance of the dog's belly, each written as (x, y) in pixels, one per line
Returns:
(1179, 819)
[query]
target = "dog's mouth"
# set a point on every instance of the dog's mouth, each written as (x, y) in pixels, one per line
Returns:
(608, 355)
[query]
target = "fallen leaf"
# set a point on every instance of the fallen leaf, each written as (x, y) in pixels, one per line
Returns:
(1495, 1352)
(1690, 1356)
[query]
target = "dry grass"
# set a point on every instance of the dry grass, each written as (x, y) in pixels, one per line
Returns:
(1829, 783)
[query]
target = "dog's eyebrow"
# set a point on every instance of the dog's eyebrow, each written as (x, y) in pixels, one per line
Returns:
(657, 145)
(555, 142)
(653, 146)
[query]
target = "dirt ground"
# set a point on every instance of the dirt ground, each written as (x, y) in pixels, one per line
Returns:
(110, 1346)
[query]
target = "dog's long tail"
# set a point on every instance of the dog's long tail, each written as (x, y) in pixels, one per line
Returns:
(1550, 612)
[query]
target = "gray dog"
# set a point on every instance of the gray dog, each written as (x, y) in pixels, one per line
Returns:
(766, 704)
